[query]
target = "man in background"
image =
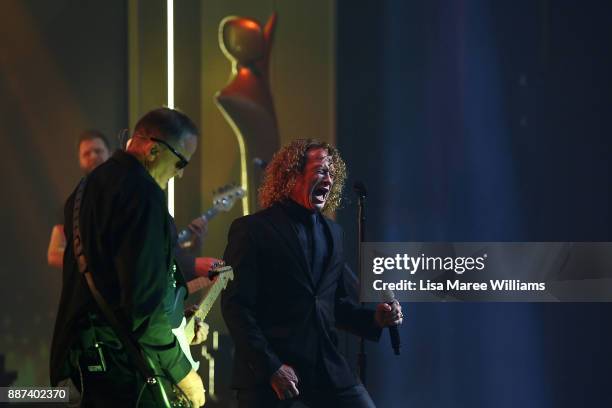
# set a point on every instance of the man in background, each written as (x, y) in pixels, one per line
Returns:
(93, 149)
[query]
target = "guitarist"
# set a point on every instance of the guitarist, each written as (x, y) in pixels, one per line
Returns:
(94, 149)
(126, 232)
(191, 266)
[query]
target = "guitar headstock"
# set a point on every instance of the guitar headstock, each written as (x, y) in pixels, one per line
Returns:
(226, 274)
(225, 197)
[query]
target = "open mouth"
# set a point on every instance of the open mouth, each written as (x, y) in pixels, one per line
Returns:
(319, 195)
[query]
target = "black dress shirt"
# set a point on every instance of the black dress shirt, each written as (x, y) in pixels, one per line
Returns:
(313, 236)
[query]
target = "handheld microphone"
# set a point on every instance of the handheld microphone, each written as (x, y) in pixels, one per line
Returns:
(389, 297)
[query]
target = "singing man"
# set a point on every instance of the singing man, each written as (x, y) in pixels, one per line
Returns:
(293, 289)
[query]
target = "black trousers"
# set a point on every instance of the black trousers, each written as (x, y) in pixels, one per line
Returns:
(352, 397)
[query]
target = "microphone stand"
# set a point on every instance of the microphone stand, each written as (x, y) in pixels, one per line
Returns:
(360, 190)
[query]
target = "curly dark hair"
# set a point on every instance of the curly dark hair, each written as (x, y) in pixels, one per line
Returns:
(289, 162)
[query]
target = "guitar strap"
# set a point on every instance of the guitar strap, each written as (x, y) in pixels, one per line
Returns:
(143, 363)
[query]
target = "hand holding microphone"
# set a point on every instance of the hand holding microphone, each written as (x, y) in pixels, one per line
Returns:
(389, 314)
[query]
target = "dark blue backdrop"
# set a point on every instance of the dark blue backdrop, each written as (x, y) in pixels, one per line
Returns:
(475, 120)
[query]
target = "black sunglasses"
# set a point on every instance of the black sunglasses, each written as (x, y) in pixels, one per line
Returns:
(182, 163)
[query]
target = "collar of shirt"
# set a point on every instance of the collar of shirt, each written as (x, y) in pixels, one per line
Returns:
(131, 162)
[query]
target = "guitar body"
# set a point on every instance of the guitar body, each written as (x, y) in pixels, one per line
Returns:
(182, 337)
(166, 393)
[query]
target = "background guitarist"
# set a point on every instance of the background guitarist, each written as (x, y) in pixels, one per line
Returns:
(93, 149)
(127, 237)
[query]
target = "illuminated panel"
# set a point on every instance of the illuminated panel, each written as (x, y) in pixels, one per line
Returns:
(170, 102)
(211, 370)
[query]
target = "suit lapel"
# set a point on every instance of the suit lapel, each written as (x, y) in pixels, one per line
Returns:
(283, 224)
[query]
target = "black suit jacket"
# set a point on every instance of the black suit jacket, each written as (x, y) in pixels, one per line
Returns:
(277, 315)
(126, 231)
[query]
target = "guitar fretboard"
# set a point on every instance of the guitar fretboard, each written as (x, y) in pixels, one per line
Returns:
(209, 300)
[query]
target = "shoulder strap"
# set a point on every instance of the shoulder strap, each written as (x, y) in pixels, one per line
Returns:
(131, 345)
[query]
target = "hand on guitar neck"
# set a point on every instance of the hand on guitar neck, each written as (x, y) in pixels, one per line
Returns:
(223, 201)
(201, 329)
(192, 324)
(191, 237)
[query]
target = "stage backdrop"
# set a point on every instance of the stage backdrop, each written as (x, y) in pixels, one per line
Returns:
(476, 120)
(62, 70)
(467, 120)
(70, 65)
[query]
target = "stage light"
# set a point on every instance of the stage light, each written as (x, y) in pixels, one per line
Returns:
(211, 370)
(170, 101)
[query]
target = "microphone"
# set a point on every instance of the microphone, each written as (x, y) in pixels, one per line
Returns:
(389, 297)
(259, 162)
(359, 189)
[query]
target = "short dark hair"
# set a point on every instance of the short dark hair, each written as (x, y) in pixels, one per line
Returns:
(91, 134)
(166, 124)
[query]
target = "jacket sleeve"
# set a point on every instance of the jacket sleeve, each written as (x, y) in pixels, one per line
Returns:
(239, 301)
(186, 262)
(350, 316)
(184, 256)
(141, 261)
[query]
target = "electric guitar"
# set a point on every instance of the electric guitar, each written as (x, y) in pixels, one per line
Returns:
(185, 332)
(223, 200)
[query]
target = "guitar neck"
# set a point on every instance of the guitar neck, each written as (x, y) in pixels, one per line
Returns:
(210, 213)
(185, 233)
(209, 301)
(204, 308)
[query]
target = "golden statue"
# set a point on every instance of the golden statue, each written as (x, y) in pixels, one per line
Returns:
(246, 101)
